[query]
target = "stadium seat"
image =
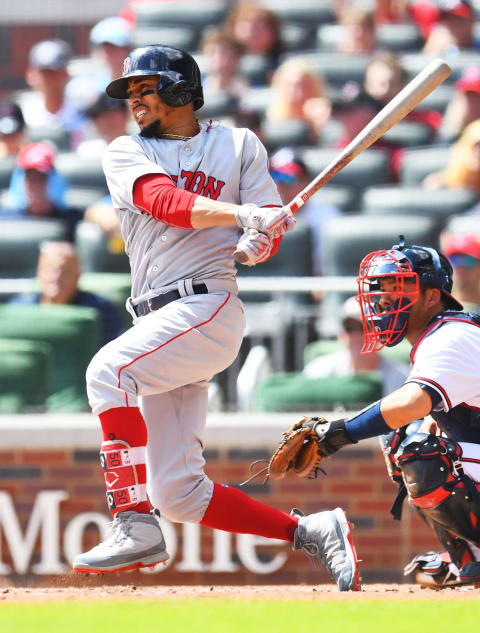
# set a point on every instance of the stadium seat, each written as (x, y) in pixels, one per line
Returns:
(418, 163)
(395, 37)
(24, 375)
(341, 196)
(347, 239)
(371, 167)
(182, 37)
(218, 105)
(294, 392)
(310, 12)
(20, 241)
(113, 286)
(190, 13)
(254, 67)
(438, 99)
(59, 137)
(416, 62)
(74, 335)
(414, 200)
(337, 69)
(409, 134)
(256, 99)
(82, 197)
(98, 253)
(294, 132)
(81, 172)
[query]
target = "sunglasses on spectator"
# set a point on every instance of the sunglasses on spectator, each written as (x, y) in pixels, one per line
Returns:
(279, 176)
(351, 326)
(460, 259)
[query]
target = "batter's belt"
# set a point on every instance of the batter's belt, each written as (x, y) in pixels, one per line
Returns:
(185, 287)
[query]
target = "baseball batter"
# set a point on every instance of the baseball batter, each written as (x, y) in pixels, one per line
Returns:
(405, 292)
(188, 196)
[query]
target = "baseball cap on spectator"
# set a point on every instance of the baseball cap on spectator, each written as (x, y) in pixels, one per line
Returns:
(460, 8)
(470, 80)
(286, 166)
(112, 30)
(37, 156)
(50, 55)
(351, 316)
(104, 103)
(11, 118)
(462, 250)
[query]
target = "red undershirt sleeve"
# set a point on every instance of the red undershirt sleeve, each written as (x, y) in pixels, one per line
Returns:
(158, 196)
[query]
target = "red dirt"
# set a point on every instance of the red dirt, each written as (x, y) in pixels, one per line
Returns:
(99, 591)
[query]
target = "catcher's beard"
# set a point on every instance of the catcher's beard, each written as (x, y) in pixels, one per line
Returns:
(152, 130)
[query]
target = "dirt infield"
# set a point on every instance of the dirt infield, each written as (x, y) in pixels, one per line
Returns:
(10, 593)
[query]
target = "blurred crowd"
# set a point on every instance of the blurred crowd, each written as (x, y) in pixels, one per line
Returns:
(306, 78)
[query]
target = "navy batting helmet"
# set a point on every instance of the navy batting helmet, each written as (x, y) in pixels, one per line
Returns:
(179, 79)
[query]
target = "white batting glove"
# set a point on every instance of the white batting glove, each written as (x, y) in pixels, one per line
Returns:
(252, 248)
(271, 221)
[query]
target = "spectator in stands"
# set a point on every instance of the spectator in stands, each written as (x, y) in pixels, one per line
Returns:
(464, 106)
(110, 118)
(38, 190)
(58, 274)
(251, 119)
(223, 53)
(12, 129)
(392, 11)
(110, 40)
(358, 32)
(47, 105)
(299, 93)
(463, 168)
(291, 176)
(452, 28)
(258, 30)
(349, 361)
(463, 251)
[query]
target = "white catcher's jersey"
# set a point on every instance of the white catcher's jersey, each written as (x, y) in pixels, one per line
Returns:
(221, 163)
(448, 360)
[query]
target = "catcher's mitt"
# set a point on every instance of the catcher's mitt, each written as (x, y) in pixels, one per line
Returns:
(298, 450)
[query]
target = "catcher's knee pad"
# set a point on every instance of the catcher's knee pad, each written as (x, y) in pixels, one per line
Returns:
(433, 475)
(125, 488)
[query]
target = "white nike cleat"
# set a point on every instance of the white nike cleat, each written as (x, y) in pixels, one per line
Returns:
(327, 537)
(133, 541)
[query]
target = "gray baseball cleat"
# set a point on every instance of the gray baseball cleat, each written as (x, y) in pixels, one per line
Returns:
(326, 536)
(133, 540)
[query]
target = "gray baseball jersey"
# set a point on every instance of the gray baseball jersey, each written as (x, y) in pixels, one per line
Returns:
(221, 163)
(164, 362)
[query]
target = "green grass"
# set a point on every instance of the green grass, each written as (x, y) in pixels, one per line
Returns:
(230, 616)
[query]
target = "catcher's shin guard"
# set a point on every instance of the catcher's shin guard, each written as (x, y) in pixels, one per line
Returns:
(125, 490)
(437, 486)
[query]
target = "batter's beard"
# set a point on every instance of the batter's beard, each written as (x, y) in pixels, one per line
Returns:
(151, 131)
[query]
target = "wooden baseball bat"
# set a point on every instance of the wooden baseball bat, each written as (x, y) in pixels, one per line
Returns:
(404, 102)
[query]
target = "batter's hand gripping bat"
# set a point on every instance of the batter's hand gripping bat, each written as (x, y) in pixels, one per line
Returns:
(404, 102)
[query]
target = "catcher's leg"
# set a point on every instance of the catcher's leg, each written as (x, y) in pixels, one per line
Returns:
(448, 501)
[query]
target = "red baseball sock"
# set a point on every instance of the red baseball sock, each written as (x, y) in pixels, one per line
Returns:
(127, 424)
(232, 510)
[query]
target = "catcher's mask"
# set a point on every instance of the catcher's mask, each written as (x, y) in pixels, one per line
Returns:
(389, 285)
(179, 79)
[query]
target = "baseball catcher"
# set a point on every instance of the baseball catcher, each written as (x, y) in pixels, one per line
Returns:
(405, 292)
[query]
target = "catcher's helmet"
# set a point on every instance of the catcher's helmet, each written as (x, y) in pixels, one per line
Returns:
(422, 266)
(179, 77)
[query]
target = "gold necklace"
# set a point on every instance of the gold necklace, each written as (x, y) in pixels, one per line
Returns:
(180, 137)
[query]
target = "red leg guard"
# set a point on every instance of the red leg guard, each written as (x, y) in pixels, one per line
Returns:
(232, 510)
(125, 473)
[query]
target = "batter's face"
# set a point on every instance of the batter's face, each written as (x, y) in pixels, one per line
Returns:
(148, 110)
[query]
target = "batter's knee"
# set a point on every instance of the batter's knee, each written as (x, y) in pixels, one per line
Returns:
(184, 501)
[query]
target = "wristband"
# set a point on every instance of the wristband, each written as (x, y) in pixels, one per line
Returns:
(367, 423)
